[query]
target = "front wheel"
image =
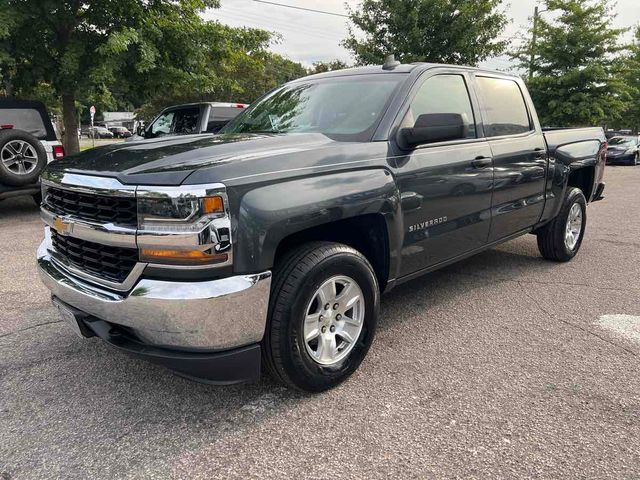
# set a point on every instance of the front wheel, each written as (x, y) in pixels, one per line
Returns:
(323, 313)
(561, 238)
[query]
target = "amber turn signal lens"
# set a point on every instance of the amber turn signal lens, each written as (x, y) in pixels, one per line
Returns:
(213, 205)
(181, 256)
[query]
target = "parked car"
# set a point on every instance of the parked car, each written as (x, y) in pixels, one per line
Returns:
(120, 132)
(275, 239)
(27, 143)
(189, 119)
(100, 132)
(624, 150)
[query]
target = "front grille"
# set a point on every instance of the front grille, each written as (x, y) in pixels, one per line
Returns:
(109, 263)
(95, 208)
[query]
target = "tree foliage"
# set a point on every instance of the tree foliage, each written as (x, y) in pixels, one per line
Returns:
(631, 66)
(127, 54)
(577, 74)
(443, 31)
(321, 67)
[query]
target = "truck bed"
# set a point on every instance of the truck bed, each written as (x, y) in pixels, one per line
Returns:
(557, 137)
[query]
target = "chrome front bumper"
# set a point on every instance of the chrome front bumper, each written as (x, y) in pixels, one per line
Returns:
(207, 315)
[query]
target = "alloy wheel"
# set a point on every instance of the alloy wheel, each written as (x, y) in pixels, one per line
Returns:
(333, 320)
(19, 157)
(573, 227)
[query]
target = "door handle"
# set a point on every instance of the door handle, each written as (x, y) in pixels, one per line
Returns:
(481, 162)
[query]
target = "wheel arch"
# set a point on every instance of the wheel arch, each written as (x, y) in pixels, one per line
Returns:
(358, 208)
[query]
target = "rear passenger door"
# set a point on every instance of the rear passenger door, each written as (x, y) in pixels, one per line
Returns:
(445, 186)
(519, 155)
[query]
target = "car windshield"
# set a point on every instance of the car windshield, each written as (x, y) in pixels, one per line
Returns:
(623, 141)
(343, 108)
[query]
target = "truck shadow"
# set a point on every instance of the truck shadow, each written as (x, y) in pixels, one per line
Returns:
(90, 387)
(18, 208)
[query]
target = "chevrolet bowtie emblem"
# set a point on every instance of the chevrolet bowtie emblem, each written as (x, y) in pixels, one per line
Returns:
(62, 226)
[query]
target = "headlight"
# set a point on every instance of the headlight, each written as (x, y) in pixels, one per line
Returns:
(187, 225)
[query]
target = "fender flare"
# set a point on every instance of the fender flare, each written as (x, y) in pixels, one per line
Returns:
(268, 214)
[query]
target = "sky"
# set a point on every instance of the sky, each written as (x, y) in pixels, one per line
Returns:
(308, 37)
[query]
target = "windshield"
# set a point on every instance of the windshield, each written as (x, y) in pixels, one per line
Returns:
(623, 141)
(343, 108)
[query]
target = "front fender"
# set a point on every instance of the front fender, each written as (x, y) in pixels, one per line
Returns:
(268, 214)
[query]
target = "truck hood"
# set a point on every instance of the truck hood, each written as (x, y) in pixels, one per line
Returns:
(171, 160)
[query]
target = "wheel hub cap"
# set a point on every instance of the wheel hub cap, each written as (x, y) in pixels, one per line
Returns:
(573, 227)
(19, 157)
(334, 320)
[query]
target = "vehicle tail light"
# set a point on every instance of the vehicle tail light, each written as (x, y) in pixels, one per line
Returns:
(6, 126)
(241, 105)
(58, 152)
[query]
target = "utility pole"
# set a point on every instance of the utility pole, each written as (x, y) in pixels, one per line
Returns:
(533, 41)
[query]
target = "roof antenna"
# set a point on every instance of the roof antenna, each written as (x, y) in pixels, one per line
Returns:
(390, 62)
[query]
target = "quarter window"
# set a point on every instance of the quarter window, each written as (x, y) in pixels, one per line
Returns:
(442, 94)
(504, 107)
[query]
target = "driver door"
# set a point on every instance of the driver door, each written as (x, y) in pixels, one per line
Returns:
(445, 187)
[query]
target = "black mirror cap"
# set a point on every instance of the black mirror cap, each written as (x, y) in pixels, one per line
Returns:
(434, 127)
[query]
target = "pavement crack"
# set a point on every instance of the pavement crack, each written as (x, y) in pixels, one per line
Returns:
(574, 325)
(29, 328)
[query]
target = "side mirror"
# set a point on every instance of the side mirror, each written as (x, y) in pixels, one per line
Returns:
(434, 127)
(140, 131)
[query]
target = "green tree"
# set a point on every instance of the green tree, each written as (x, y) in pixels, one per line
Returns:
(448, 31)
(576, 71)
(631, 63)
(76, 47)
(321, 67)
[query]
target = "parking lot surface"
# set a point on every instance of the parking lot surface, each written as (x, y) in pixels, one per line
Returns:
(504, 365)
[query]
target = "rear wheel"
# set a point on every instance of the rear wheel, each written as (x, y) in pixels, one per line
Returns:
(561, 238)
(22, 158)
(323, 313)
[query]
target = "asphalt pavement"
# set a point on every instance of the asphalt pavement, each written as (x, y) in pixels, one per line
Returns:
(504, 365)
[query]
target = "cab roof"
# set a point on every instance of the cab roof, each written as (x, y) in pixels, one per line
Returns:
(402, 68)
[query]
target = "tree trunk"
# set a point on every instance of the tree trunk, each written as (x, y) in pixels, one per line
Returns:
(70, 119)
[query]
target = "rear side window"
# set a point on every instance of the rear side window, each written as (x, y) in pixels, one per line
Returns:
(220, 116)
(442, 94)
(27, 119)
(504, 107)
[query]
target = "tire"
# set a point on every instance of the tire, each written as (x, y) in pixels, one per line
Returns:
(297, 280)
(22, 158)
(553, 241)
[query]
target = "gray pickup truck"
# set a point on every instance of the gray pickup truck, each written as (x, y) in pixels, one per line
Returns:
(271, 242)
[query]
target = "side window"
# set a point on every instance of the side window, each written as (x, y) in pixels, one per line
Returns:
(442, 94)
(186, 121)
(504, 107)
(162, 126)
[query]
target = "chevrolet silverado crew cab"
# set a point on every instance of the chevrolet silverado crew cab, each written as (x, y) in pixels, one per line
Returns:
(271, 242)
